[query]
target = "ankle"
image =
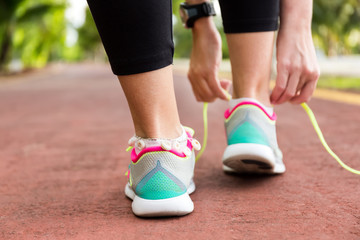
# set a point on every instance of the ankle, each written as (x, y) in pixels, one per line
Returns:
(169, 132)
(262, 98)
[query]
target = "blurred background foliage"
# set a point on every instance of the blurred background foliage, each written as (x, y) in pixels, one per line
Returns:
(336, 26)
(34, 32)
(31, 31)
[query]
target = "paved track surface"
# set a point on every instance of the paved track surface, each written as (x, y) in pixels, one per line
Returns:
(63, 134)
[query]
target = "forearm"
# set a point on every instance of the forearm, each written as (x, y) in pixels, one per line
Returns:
(296, 14)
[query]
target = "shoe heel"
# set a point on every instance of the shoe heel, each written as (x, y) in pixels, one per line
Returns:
(251, 158)
(176, 206)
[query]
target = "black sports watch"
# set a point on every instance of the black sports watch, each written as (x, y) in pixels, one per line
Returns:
(190, 13)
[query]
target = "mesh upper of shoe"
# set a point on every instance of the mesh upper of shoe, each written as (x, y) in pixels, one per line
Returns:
(250, 120)
(180, 167)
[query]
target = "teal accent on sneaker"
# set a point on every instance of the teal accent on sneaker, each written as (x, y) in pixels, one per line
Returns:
(247, 133)
(159, 184)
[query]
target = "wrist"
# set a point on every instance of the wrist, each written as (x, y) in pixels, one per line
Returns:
(205, 32)
(295, 28)
(296, 16)
(203, 24)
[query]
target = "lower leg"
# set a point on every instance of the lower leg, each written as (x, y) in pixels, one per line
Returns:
(250, 55)
(152, 103)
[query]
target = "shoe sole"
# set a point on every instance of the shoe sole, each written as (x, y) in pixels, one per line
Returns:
(176, 206)
(251, 158)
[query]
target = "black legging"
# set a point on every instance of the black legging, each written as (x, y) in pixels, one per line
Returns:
(137, 34)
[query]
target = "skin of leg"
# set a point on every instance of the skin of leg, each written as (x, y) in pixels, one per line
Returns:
(152, 103)
(250, 56)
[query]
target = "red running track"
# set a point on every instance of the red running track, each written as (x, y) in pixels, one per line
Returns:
(63, 134)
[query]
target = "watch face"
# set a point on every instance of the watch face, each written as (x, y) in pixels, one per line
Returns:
(184, 16)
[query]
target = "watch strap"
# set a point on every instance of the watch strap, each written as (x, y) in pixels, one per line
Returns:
(197, 11)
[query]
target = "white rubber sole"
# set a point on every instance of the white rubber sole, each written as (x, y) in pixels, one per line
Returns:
(252, 158)
(176, 206)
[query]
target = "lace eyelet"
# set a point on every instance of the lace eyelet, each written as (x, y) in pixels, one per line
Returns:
(176, 145)
(166, 145)
(187, 152)
(140, 144)
(196, 145)
(131, 141)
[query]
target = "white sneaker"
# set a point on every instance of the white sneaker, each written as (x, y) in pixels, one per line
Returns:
(251, 138)
(160, 176)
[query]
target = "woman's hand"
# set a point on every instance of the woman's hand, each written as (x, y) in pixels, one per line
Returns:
(297, 66)
(205, 61)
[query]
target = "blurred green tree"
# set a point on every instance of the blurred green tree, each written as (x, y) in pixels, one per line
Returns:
(32, 30)
(336, 26)
(89, 40)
